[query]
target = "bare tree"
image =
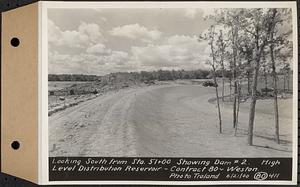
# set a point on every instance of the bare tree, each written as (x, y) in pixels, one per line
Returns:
(211, 37)
(238, 106)
(229, 18)
(274, 74)
(257, 23)
(288, 71)
(254, 27)
(277, 39)
(265, 70)
(221, 52)
(246, 53)
(286, 77)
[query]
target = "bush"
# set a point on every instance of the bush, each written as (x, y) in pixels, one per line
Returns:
(94, 92)
(209, 84)
(72, 92)
(264, 90)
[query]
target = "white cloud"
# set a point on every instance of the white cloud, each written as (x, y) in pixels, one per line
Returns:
(83, 50)
(191, 13)
(118, 58)
(87, 34)
(136, 31)
(152, 55)
(208, 12)
(98, 10)
(88, 63)
(90, 30)
(104, 19)
(98, 49)
(92, 56)
(176, 52)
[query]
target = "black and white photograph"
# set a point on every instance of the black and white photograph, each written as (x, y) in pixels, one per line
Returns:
(203, 82)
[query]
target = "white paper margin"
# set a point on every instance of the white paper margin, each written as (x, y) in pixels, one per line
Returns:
(43, 83)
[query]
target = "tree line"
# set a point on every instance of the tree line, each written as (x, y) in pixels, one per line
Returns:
(72, 77)
(160, 75)
(249, 43)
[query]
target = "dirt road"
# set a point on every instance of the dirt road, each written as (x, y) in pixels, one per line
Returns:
(163, 120)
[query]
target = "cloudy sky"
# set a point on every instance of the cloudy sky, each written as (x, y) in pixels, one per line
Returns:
(101, 41)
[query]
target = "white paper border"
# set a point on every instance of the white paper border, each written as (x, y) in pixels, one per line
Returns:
(43, 82)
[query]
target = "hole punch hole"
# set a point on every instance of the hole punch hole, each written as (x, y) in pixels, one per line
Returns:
(15, 42)
(15, 145)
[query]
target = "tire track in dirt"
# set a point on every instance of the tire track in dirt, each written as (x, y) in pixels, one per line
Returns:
(77, 123)
(99, 127)
(113, 136)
